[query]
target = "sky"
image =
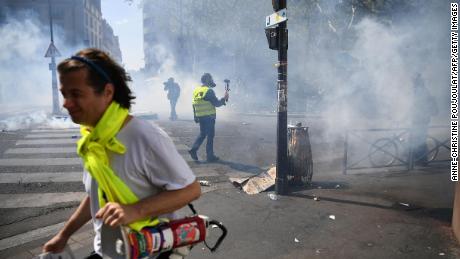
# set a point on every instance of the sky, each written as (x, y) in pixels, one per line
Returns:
(126, 21)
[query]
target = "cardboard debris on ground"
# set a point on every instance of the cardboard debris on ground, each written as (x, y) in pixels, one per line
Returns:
(256, 184)
(238, 181)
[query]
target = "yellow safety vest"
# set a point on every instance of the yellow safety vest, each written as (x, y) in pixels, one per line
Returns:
(93, 146)
(202, 108)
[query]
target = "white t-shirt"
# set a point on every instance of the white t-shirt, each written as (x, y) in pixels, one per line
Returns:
(150, 164)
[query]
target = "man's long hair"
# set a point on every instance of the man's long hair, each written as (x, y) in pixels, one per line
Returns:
(116, 73)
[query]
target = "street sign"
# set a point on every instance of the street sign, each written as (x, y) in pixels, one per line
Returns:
(52, 51)
(275, 18)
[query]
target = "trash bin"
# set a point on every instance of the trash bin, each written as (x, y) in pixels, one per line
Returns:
(300, 160)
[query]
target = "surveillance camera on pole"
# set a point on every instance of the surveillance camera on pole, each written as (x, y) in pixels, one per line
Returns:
(277, 36)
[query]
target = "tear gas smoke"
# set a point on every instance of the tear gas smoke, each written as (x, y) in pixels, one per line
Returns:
(353, 70)
(26, 78)
(33, 119)
(353, 67)
(25, 75)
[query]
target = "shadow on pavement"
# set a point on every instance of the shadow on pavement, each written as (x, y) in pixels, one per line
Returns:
(440, 214)
(443, 215)
(367, 204)
(241, 167)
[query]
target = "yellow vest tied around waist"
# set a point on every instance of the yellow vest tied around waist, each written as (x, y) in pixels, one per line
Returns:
(202, 108)
(93, 146)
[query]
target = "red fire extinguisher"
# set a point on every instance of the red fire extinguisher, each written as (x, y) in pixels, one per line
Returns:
(124, 243)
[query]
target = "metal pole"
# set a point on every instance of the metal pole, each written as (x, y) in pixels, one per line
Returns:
(281, 155)
(410, 159)
(345, 154)
(56, 110)
(51, 21)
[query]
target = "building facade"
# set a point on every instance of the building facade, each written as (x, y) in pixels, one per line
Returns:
(110, 42)
(78, 23)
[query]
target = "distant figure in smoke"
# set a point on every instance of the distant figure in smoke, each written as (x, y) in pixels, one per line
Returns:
(204, 109)
(424, 108)
(173, 94)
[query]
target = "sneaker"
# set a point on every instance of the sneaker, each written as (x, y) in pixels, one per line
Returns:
(193, 155)
(213, 159)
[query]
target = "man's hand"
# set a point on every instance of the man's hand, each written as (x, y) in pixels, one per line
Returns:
(56, 244)
(78, 219)
(115, 214)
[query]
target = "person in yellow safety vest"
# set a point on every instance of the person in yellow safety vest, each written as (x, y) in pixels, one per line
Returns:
(204, 109)
(133, 175)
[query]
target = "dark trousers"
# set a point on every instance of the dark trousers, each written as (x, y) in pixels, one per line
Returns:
(206, 131)
(173, 103)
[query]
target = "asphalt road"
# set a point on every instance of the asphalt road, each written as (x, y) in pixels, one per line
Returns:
(40, 183)
(40, 186)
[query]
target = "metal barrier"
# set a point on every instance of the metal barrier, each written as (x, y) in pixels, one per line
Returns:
(394, 150)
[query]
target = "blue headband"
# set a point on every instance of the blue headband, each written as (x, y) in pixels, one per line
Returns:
(95, 67)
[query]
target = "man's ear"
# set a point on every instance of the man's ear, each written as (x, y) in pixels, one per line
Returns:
(109, 90)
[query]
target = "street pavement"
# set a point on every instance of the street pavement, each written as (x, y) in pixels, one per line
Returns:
(40, 179)
(386, 214)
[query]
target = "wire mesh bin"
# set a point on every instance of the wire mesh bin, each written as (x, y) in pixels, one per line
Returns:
(299, 155)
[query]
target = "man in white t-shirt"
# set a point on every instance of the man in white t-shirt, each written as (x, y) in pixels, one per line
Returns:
(150, 167)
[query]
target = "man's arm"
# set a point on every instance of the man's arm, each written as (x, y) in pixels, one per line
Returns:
(76, 221)
(115, 214)
(194, 115)
(211, 97)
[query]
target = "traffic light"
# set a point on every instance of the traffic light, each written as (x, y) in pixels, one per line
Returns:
(272, 38)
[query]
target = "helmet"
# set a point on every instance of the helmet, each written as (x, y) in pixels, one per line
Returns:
(170, 80)
(206, 79)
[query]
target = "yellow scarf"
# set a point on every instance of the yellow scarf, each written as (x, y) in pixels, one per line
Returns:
(93, 146)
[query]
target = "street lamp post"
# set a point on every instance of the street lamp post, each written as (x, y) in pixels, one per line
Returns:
(52, 53)
(278, 40)
(282, 157)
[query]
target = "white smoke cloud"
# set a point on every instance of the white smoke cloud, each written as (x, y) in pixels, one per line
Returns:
(149, 90)
(25, 75)
(25, 88)
(36, 118)
(375, 88)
